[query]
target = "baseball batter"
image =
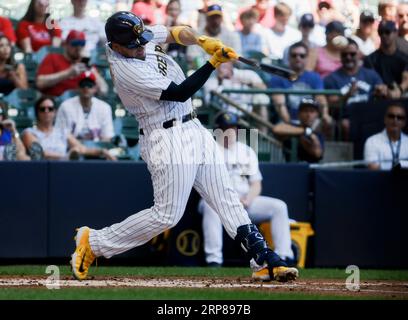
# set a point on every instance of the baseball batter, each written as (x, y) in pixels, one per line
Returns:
(180, 153)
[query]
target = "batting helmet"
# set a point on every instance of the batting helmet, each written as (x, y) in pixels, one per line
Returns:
(226, 120)
(127, 29)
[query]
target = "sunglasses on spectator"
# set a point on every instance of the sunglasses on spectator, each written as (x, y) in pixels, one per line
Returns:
(393, 116)
(77, 43)
(351, 54)
(48, 109)
(386, 32)
(300, 55)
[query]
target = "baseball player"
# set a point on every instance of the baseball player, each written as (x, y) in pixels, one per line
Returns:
(180, 153)
(242, 164)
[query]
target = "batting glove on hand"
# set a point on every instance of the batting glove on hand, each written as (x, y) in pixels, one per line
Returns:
(210, 45)
(222, 55)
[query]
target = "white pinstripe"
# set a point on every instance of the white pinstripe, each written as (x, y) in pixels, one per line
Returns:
(178, 158)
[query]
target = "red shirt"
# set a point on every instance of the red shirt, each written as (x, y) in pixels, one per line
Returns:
(6, 28)
(38, 33)
(53, 63)
(267, 20)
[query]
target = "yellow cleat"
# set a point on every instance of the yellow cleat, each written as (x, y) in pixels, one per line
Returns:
(281, 274)
(83, 256)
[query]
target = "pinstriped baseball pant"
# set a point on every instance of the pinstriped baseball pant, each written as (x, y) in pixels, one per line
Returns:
(180, 158)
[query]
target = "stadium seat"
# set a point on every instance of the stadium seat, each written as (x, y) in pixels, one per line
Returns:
(39, 56)
(23, 122)
(98, 58)
(23, 100)
(130, 127)
(31, 69)
(66, 95)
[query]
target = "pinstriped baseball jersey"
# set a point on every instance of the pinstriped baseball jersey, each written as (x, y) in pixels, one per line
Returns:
(139, 83)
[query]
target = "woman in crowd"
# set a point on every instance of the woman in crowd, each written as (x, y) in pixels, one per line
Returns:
(56, 144)
(12, 75)
(11, 147)
(325, 60)
(36, 29)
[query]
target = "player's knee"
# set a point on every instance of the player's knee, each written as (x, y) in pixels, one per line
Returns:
(281, 208)
(167, 217)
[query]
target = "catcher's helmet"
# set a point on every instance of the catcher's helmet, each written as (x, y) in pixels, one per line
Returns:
(226, 120)
(127, 29)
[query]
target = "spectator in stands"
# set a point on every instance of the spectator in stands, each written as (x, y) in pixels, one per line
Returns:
(356, 83)
(281, 35)
(173, 10)
(60, 72)
(387, 10)
(84, 116)
(6, 29)
(92, 27)
(327, 13)
(12, 75)
(250, 39)
(145, 11)
(36, 29)
(11, 147)
(307, 80)
(228, 77)
(56, 144)
(242, 164)
(386, 149)
(310, 144)
(402, 22)
(389, 62)
(266, 13)
(327, 59)
(364, 36)
(214, 28)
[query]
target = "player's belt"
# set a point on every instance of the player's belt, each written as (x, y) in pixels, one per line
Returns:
(170, 123)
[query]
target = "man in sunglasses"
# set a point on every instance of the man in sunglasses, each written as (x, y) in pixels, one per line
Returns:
(389, 62)
(356, 83)
(385, 150)
(60, 72)
(180, 153)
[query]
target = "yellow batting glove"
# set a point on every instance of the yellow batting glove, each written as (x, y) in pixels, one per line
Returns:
(210, 45)
(222, 55)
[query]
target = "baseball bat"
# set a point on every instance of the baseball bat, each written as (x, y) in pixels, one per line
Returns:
(269, 68)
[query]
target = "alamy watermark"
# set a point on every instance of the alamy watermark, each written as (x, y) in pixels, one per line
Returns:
(353, 280)
(53, 281)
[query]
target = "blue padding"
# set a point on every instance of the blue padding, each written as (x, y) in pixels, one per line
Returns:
(361, 219)
(290, 183)
(93, 193)
(23, 209)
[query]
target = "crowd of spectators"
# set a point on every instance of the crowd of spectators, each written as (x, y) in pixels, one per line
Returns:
(338, 45)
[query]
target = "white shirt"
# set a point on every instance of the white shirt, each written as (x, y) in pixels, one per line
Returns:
(366, 46)
(377, 149)
(55, 141)
(241, 79)
(277, 42)
(95, 125)
(243, 167)
(139, 83)
(93, 28)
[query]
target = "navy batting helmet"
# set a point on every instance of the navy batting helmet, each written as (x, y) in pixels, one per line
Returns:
(127, 29)
(226, 120)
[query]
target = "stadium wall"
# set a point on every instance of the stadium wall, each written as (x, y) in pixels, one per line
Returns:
(359, 216)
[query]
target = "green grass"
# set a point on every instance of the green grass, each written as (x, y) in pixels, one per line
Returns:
(365, 274)
(183, 293)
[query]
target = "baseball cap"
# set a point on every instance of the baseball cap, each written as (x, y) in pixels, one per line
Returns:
(87, 78)
(387, 25)
(76, 38)
(308, 102)
(367, 16)
(307, 20)
(214, 9)
(335, 26)
(225, 120)
(144, 12)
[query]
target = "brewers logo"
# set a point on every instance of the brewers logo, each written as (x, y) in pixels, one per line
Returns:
(138, 29)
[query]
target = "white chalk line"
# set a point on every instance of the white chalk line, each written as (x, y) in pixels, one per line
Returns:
(186, 283)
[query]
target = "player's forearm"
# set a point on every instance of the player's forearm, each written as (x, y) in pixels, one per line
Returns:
(284, 129)
(183, 35)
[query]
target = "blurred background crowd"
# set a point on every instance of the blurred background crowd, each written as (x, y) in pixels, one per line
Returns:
(58, 100)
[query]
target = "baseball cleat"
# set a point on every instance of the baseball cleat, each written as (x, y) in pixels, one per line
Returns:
(281, 274)
(83, 256)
